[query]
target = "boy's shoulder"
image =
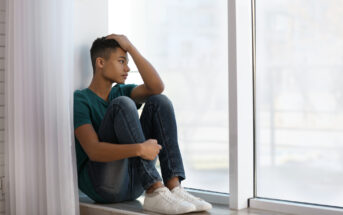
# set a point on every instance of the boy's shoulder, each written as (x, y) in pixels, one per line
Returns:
(80, 94)
(82, 91)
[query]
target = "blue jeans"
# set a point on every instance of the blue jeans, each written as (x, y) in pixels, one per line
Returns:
(127, 179)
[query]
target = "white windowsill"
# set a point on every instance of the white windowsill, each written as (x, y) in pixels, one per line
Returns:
(293, 207)
(219, 200)
(212, 197)
(220, 203)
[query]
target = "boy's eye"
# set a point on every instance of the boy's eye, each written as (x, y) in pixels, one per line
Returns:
(121, 61)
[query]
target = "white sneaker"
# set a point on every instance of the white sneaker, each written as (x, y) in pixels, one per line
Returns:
(200, 204)
(163, 201)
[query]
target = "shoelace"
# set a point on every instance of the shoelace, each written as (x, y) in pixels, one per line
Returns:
(169, 197)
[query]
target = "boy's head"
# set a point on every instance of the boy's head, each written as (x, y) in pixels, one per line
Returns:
(109, 58)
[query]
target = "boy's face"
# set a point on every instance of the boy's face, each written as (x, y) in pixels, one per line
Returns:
(115, 68)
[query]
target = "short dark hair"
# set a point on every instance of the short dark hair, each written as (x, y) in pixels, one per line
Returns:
(102, 47)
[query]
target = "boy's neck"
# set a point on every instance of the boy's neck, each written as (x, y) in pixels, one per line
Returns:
(100, 87)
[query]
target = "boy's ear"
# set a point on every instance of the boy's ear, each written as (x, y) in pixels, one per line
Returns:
(99, 62)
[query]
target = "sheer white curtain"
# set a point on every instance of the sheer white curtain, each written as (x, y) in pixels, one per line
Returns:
(40, 157)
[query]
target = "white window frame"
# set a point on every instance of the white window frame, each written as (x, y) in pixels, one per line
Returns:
(242, 157)
(241, 165)
(241, 136)
(240, 110)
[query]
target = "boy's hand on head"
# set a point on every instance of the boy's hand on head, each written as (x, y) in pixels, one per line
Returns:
(124, 43)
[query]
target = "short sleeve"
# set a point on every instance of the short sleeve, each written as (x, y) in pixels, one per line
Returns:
(126, 89)
(81, 110)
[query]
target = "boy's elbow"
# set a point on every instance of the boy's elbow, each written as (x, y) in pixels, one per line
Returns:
(156, 89)
(92, 157)
(159, 89)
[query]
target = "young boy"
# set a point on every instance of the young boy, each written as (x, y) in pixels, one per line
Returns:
(117, 150)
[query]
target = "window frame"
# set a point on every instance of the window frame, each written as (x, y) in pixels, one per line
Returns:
(242, 91)
(276, 204)
(241, 136)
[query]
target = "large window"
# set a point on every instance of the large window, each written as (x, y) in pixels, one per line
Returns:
(186, 41)
(299, 103)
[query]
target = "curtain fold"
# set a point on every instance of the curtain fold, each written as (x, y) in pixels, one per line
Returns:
(40, 163)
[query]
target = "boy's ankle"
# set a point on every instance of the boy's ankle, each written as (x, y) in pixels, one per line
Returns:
(155, 186)
(173, 182)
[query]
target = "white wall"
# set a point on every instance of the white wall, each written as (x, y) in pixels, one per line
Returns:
(2, 99)
(87, 28)
(90, 23)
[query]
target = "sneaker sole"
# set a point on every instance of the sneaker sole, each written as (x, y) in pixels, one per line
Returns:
(164, 212)
(203, 209)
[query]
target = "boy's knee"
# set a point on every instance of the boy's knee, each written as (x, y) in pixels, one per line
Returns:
(124, 101)
(160, 99)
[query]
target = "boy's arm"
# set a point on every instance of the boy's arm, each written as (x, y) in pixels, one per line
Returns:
(153, 84)
(107, 152)
(102, 151)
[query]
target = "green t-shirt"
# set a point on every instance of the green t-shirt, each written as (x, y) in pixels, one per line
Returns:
(89, 108)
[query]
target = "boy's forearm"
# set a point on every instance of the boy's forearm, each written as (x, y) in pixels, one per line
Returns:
(149, 75)
(107, 152)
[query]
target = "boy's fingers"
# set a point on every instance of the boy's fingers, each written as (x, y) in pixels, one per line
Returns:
(112, 36)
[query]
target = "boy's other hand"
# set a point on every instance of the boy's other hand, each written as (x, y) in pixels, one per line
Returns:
(124, 43)
(150, 149)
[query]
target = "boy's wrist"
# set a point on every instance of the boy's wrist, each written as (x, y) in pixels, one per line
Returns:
(130, 48)
(138, 149)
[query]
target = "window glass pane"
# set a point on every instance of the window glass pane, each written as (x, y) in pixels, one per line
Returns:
(299, 104)
(186, 41)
